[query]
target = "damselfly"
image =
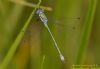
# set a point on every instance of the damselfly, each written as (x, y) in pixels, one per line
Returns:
(44, 19)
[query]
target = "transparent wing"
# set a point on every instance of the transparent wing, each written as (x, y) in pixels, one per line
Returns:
(69, 23)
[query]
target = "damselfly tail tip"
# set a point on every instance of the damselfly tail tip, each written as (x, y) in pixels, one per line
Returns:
(62, 58)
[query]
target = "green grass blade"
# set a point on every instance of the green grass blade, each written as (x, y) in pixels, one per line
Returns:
(86, 31)
(42, 62)
(14, 46)
(24, 3)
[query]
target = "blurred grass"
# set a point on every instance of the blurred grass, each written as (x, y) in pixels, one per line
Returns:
(7, 25)
(86, 33)
(67, 21)
(18, 39)
(96, 34)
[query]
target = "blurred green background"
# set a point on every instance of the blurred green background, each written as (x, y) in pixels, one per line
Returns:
(75, 25)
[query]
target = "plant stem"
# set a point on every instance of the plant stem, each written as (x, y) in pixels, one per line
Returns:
(86, 31)
(30, 5)
(18, 39)
(42, 62)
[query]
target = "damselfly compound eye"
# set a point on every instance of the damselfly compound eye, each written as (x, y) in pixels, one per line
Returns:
(40, 11)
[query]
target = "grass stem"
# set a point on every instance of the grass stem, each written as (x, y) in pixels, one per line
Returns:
(30, 4)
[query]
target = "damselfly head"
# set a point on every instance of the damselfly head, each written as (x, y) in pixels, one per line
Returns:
(39, 11)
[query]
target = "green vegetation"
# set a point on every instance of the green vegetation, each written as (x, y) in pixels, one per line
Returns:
(25, 43)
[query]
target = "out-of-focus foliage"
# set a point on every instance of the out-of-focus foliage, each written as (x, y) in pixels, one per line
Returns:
(66, 22)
